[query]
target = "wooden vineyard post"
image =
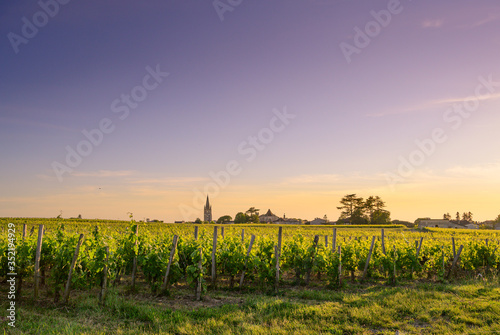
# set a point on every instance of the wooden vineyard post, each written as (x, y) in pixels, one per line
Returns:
(326, 241)
(313, 256)
(368, 258)
(196, 233)
(334, 240)
(170, 260)
(383, 241)
(280, 236)
(222, 231)
(395, 258)
(134, 264)
(453, 245)
(242, 235)
(37, 260)
(71, 268)
(102, 294)
(214, 249)
(340, 266)
(420, 246)
(198, 286)
(277, 256)
(455, 261)
(24, 231)
(252, 239)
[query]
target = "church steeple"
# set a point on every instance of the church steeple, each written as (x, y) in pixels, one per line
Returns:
(207, 211)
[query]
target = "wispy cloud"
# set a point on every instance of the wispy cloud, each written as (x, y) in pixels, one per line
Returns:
(104, 173)
(486, 171)
(335, 182)
(175, 180)
(432, 23)
(433, 104)
(490, 18)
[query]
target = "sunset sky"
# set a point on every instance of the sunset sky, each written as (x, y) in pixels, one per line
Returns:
(109, 107)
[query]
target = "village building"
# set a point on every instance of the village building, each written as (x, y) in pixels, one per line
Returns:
(268, 217)
(319, 221)
(441, 223)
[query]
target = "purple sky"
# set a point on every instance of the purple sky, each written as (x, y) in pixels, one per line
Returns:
(354, 120)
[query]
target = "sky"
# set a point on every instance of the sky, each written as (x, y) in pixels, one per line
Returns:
(116, 107)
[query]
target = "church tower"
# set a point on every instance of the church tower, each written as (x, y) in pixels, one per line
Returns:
(208, 211)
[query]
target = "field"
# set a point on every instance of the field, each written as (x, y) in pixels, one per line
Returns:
(435, 281)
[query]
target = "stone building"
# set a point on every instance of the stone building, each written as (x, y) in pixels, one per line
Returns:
(207, 211)
(268, 217)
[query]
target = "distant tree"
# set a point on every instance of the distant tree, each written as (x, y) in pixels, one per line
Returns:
(241, 218)
(497, 220)
(467, 216)
(325, 218)
(198, 220)
(374, 210)
(357, 211)
(352, 209)
(381, 217)
(225, 218)
(252, 210)
(253, 215)
(370, 206)
(447, 216)
(458, 217)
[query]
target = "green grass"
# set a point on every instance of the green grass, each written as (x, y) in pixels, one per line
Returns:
(411, 308)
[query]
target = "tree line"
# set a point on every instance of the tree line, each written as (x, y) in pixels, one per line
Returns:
(358, 211)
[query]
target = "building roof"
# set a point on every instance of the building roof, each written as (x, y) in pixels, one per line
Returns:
(269, 213)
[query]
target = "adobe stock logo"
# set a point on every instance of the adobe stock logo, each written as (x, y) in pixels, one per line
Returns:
(248, 151)
(453, 117)
(121, 106)
(363, 37)
(49, 9)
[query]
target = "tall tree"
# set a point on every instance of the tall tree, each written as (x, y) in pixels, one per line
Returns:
(458, 217)
(241, 218)
(374, 210)
(252, 210)
(352, 209)
(253, 214)
(447, 216)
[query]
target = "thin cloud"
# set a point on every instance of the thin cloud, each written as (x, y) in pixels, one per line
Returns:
(490, 18)
(432, 23)
(179, 180)
(104, 173)
(491, 170)
(433, 104)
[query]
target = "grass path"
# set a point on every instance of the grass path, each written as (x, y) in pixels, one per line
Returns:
(411, 308)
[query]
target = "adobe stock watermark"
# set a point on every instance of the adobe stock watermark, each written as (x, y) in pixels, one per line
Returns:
(454, 118)
(11, 275)
(248, 151)
(30, 27)
(363, 37)
(223, 6)
(120, 106)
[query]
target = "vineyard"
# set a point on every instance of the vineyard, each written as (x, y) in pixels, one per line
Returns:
(96, 255)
